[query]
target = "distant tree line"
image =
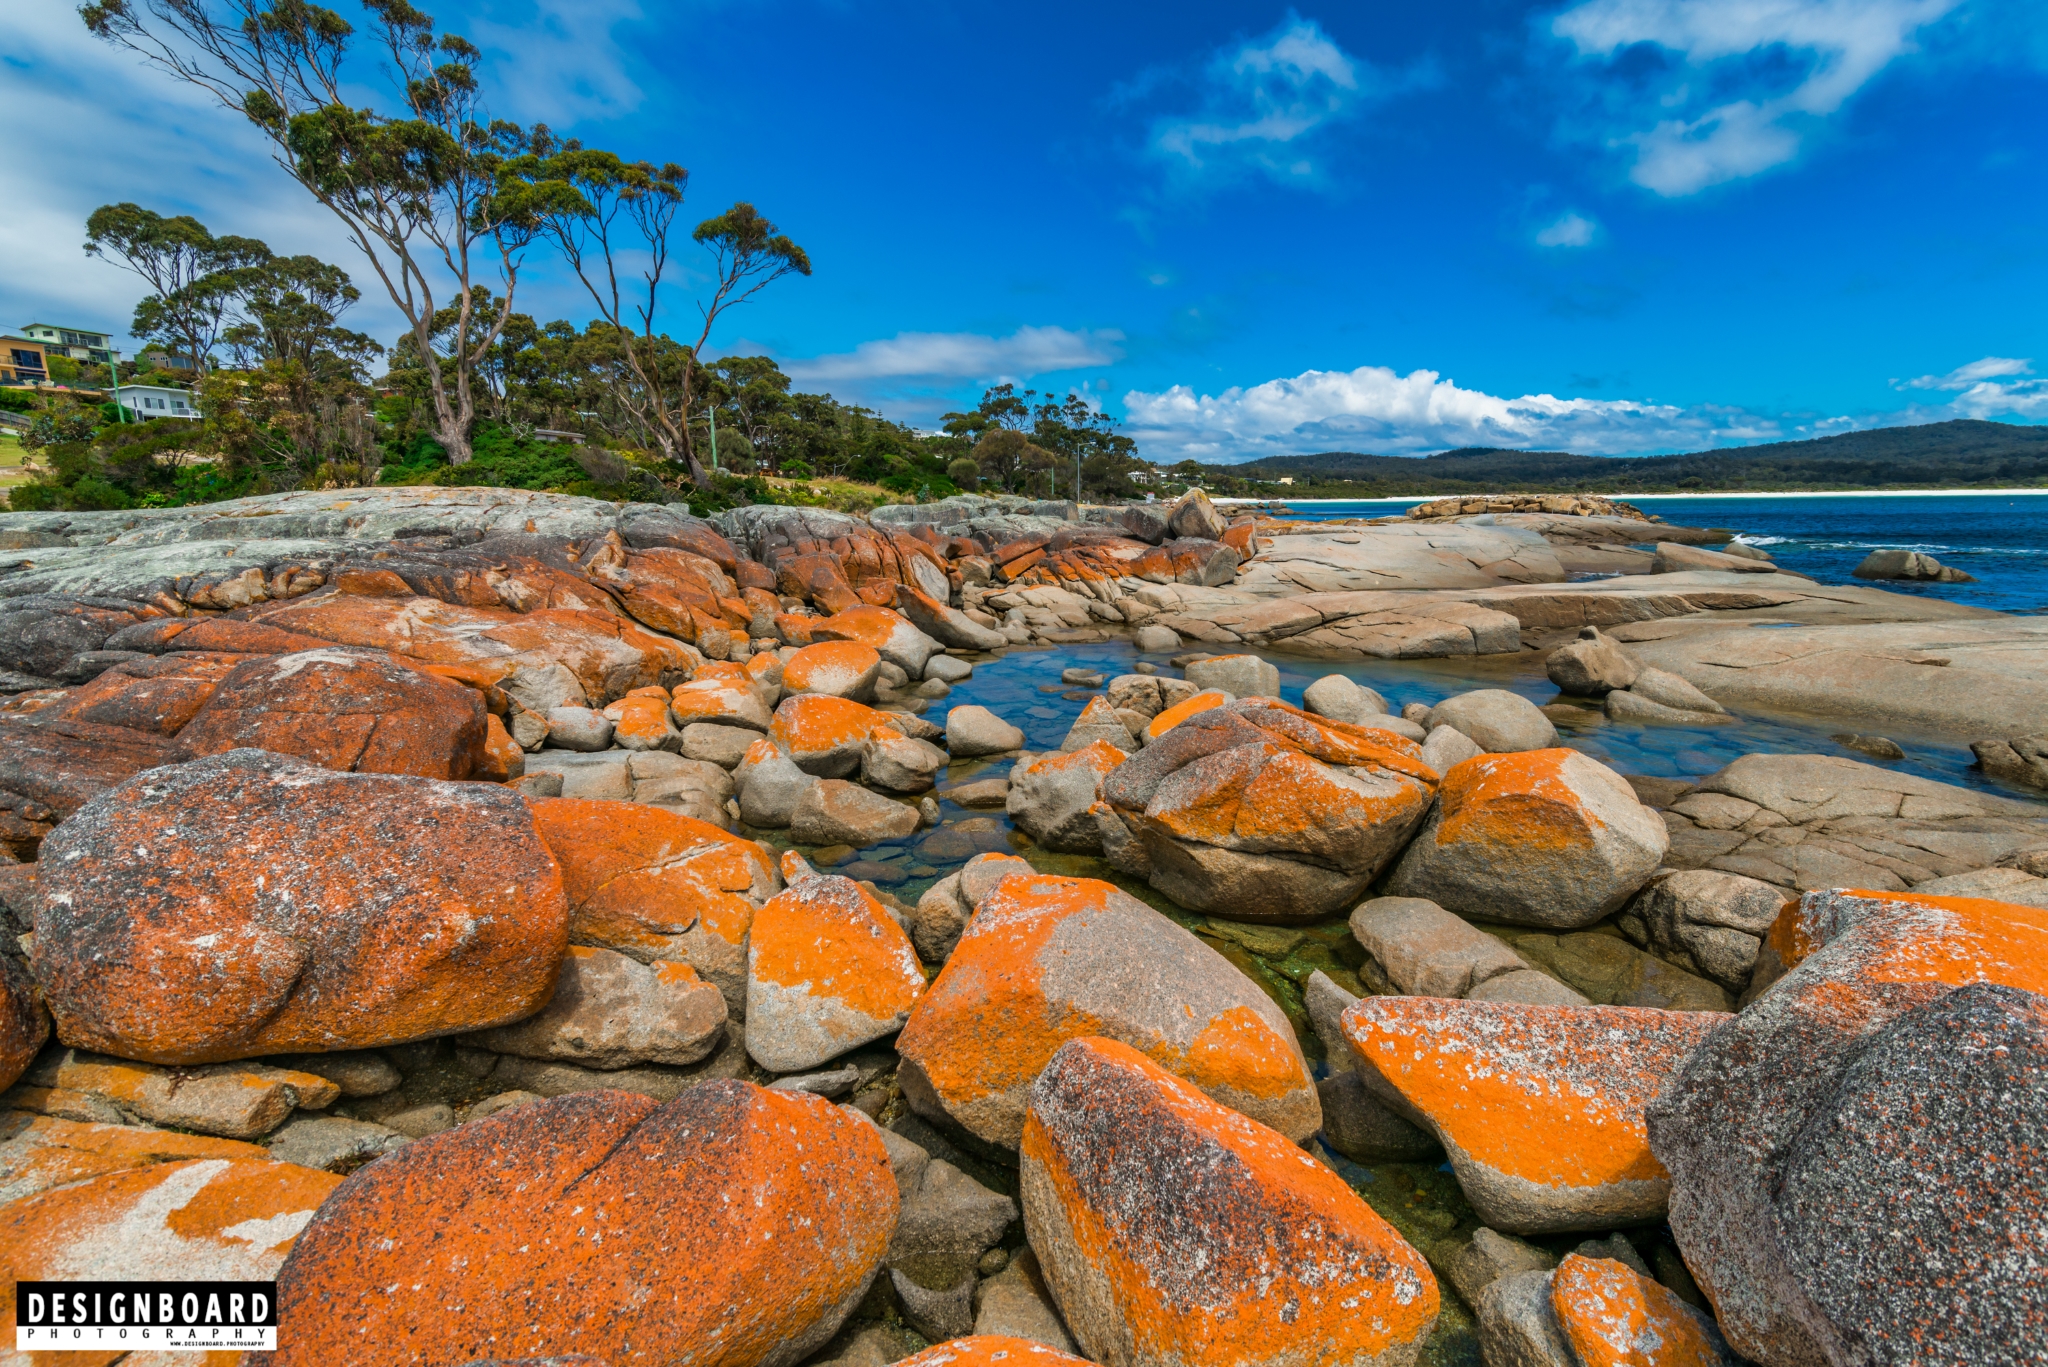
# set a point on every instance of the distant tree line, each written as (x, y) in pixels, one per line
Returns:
(1964, 453)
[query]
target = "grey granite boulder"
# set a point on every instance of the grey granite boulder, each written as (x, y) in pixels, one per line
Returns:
(1843, 1154)
(1501, 722)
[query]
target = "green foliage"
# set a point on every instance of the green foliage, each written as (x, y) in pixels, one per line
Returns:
(797, 469)
(964, 473)
(17, 400)
(133, 465)
(1032, 448)
(504, 458)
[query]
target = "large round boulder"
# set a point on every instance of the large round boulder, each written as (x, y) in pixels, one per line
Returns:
(251, 903)
(1046, 960)
(743, 1223)
(344, 709)
(1844, 1154)
(1173, 1230)
(886, 632)
(832, 669)
(823, 735)
(1540, 838)
(1259, 811)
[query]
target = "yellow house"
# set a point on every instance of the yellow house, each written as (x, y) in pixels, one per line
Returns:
(23, 360)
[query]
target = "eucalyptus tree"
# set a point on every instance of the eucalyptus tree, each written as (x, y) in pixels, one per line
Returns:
(415, 185)
(614, 222)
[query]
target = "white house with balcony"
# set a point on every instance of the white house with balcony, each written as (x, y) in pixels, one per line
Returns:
(156, 401)
(77, 343)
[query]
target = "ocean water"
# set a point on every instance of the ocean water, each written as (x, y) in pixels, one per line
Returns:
(2002, 539)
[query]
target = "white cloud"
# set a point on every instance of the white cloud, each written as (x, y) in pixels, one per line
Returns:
(1968, 376)
(964, 356)
(1265, 104)
(1374, 409)
(1568, 229)
(1793, 62)
(1990, 388)
(559, 61)
(106, 129)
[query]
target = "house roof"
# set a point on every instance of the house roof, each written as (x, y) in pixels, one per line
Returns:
(63, 327)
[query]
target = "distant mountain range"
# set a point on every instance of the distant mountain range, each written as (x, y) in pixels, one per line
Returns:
(1942, 455)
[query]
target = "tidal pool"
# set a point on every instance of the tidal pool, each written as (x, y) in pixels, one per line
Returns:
(1423, 1202)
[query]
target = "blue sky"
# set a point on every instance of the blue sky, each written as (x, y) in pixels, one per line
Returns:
(1612, 226)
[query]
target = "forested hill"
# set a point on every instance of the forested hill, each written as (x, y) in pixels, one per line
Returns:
(1945, 455)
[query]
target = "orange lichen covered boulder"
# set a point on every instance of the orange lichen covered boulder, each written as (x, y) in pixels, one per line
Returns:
(640, 720)
(888, 633)
(832, 669)
(1259, 811)
(24, 1025)
(731, 1227)
(828, 969)
(38, 1152)
(1874, 1112)
(62, 763)
(344, 709)
(157, 695)
(719, 699)
(657, 885)
(201, 1219)
(1181, 711)
(609, 654)
(1539, 838)
(991, 1350)
(1046, 960)
(1176, 1231)
(671, 590)
(249, 903)
(1539, 1107)
(825, 736)
(1613, 1316)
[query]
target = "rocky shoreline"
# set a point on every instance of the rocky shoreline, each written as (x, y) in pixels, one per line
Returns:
(592, 917)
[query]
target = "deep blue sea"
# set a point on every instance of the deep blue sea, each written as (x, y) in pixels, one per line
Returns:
(2000, 538)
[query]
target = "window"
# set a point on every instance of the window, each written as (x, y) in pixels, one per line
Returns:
(28, 360)
(177, 405)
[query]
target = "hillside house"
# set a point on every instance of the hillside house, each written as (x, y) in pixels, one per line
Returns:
(77, 343)
(157, 401)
